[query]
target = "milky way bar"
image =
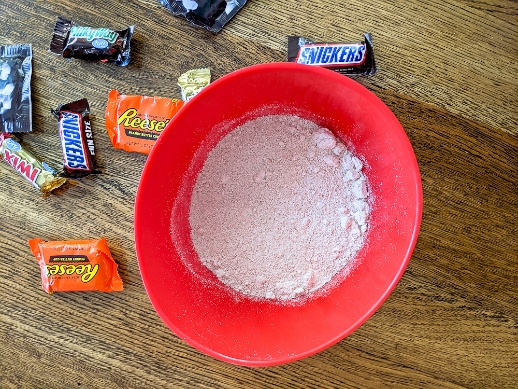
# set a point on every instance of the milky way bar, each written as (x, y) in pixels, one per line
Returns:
(345, 58)
(97, 44)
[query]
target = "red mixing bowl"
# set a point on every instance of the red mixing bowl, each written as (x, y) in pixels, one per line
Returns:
(190, 299)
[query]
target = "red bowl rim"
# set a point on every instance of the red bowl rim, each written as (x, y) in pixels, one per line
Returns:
(270, 67)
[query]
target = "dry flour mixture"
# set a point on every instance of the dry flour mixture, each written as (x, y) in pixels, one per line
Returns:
(279, 207)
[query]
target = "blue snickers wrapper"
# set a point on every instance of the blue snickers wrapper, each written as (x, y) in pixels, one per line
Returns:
(76, 137)
(345, 58)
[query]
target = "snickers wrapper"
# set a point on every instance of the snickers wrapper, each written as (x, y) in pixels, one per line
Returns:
(77, 143)
(346, 58)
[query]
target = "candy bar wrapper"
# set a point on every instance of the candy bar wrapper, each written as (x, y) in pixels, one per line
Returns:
(76, 266)
(209, 14)
(15, 88)
(134, 123)
(344, 58)
(77, 143)
(97, 44)
(38, 173)
(193, 81)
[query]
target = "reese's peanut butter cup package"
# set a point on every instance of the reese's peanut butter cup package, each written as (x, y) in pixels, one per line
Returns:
(134, 123)
(209, 14)
(76, 266)
(38, 173)
(15, 88)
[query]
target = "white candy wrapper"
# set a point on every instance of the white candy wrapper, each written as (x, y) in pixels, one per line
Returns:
(15, 88)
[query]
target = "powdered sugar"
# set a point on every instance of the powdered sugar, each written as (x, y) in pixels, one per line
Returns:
(279, 207)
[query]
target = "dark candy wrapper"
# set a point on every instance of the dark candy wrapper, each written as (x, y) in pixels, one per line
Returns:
(97, 44)
(345, 58)
(210, 14)
(15, 88)
(76, 137)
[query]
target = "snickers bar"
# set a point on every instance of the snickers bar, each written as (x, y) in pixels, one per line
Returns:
(345, 58)
(76, 137)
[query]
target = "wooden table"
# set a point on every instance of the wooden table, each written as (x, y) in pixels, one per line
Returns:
(447, 69)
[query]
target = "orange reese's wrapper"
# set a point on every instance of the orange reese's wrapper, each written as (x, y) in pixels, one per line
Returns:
(134, 123)
(76, 265)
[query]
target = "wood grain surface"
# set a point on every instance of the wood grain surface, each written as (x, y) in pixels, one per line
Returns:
(447, 69)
